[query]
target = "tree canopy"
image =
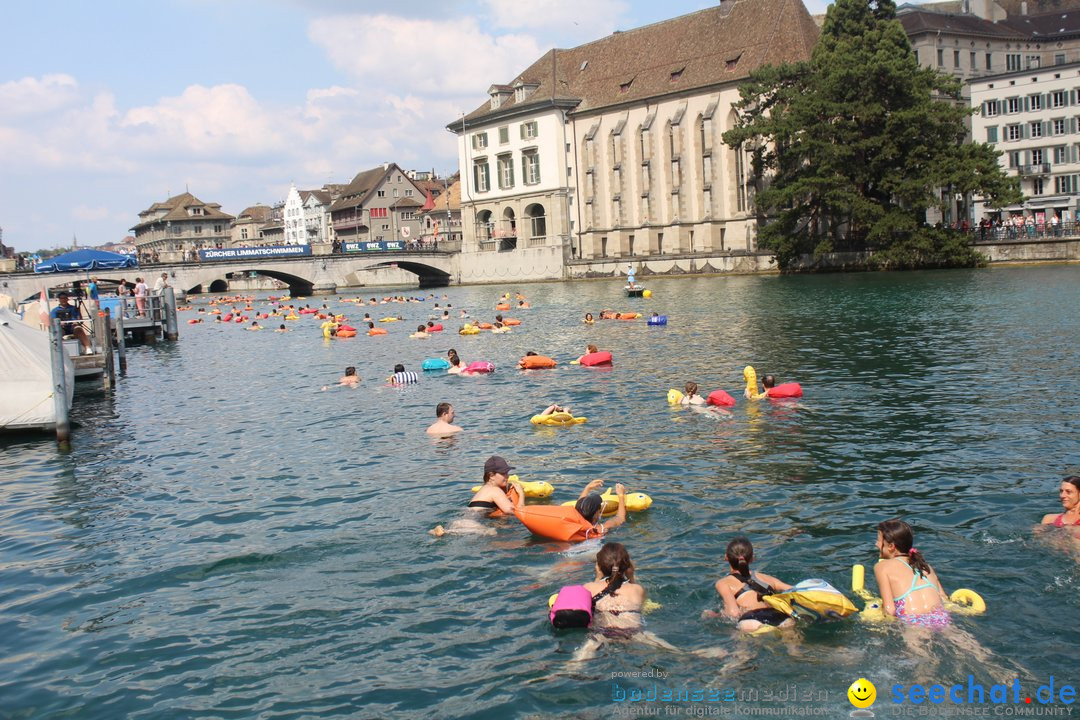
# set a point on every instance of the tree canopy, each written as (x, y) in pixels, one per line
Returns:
(850, 148)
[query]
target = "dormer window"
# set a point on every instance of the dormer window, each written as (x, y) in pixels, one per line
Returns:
(498, 93)
(523, 90)
(676, 74)
(625, 87)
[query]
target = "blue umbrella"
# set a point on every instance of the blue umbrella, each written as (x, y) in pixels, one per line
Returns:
(77, 260)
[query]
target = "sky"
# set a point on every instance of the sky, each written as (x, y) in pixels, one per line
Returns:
(109, 107)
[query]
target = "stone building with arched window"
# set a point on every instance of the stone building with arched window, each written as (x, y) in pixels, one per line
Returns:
(613, 149)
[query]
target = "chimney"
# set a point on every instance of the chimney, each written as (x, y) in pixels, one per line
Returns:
(386, 165)
(1023, 7)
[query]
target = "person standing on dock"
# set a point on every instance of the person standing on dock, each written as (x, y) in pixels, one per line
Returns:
(140, 297)
(161, 283)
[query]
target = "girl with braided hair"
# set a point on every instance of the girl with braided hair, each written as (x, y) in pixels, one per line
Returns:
(741, 591)
(910, 589)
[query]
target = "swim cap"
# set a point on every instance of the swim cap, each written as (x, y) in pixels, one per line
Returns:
(589, 505)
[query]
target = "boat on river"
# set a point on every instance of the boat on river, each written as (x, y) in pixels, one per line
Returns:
(634, 290)
(26, 378)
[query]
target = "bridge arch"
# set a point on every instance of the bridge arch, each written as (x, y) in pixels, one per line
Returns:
(217, 281)
(429, 276)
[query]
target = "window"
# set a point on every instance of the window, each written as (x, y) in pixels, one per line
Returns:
(956, 58)
(504, 134)
(218, 229)
(1012, 105)
(1012, 132)
(1015, 160)
(479, 141)
(1035, 129)
(395, 192)
(1059, 126)
(385, 227)
(377, 213)
(676, 175)
(1037, 156)
(988, 62)
(1034, 62)
(530, 130)
(991, 108)
(1035, 102)
(506, 171)
(740, 180)
(197, 229)
(1061, 155)
(1012, 62)
(973, 63)
(1059, 59)
(1059, 99)
(408, 193)
(408, 215)
(603, 246)
(992, 134)
(243, 234)
(530, 167)
(481, 177)
(616, 211)
(941, 57)
(381, 193)
(1065, 184)
(1037, 186)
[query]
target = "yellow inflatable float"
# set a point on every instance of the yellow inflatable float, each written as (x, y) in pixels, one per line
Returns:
(468, 329)
(674, 397)
(532, 489)
(388, 319)
(558, 419)
(635, 502)
(292, 317)
(962, 600)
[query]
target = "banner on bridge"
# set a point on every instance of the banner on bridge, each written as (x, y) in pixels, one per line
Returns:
(351, 247)
(247, 253)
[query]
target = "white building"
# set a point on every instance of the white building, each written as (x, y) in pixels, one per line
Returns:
(613, 148)
(307, 217)
(1031, 116)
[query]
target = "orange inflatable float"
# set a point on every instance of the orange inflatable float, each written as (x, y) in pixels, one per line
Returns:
(484, 326)
(511, 321)
(376, 331)
(502, 306)
(345, 333)
(556, 522)
(535, 362)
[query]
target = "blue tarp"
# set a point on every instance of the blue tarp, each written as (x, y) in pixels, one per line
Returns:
(86, 260)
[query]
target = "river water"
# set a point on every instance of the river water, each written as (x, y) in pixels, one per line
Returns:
(228, 541)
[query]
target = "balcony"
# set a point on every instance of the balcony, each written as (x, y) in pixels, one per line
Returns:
(1040, 169)
(346, 223)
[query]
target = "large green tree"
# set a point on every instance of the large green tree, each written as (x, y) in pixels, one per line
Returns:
(851, 147)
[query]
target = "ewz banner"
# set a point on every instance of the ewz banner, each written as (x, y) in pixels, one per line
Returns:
(381, 245)
(247, 253)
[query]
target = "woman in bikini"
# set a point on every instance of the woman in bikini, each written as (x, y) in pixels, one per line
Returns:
(1070, 500)
(617, 603)
(910, 589)
(496, 498)
(741, 591)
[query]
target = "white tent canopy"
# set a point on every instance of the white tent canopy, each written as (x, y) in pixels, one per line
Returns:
(26, 385)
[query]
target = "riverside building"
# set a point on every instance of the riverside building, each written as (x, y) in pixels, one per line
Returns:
(1033, 118)
(613, 149)
(179, 226)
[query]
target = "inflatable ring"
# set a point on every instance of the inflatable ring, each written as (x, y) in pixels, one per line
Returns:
(648, 607)
(967, 601)
(557, 419)
(532, 488)
(635, 502)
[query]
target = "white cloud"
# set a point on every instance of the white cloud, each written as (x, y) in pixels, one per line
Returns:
(36, 96)
(582, 20)
(84, 212)
(449, 57)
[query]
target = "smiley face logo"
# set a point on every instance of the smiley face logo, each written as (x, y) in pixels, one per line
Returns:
(862, 693)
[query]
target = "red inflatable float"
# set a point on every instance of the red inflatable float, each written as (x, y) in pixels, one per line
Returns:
(596, 358)
(786, 390)
(720, 398)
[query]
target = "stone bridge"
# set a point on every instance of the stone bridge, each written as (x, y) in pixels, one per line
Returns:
(305, 275)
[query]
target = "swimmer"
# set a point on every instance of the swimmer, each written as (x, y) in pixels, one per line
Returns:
(691, 397)
(255, 325)
(589, 350)
(421, 333)
(741, 591)
(443, 426)
(524, 305)
(590, 506)
(456, 366)
(1069, 493)
(464, 314)
(618, 602)
(910, 589)
(491, 500)
(349, 379)
(402, 376)
(767, 382)
(589, 319)
(551, 409)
